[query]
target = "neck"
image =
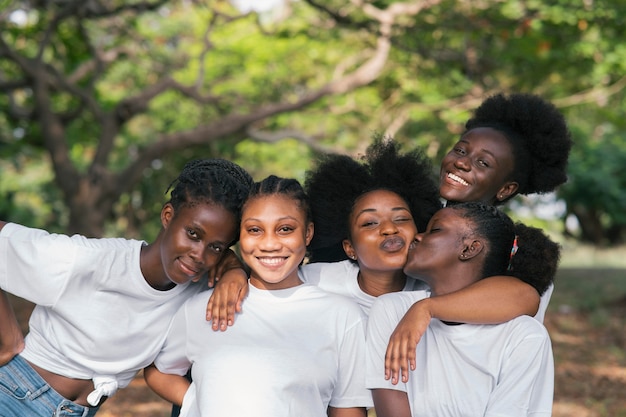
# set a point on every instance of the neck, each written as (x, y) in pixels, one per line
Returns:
(377, 284)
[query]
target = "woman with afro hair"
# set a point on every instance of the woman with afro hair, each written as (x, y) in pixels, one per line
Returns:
(513, 144)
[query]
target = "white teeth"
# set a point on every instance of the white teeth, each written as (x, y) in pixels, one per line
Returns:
(271, 261)
(457, 178)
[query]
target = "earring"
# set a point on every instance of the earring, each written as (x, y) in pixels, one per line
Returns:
(353, 257)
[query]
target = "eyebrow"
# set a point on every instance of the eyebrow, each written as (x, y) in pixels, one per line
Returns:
(373, 210)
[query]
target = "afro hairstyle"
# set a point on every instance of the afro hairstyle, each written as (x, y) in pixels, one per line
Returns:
(538, 133)
(338, 180)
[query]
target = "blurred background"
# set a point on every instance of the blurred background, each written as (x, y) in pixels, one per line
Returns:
(103, 102)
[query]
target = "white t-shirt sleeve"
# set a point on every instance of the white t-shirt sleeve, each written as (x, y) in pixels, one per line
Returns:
(34, 264)
(312, 273)
(526, 382)
(172, 359)
(543, 304)
(381, 323)
(350, 390)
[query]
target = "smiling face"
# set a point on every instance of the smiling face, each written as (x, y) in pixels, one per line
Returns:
(273, 240)
(477, 168)
(193, 240)
(381, 229)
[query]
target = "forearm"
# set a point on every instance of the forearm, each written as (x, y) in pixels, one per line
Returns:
(170, 387)
(391, 403)
(11, 337)
(347, 412)
(489, 301)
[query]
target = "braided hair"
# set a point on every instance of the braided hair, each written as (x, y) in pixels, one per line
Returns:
(216, 181)
(288, 187)
(338, 180)
(538, 134)
(534, 258)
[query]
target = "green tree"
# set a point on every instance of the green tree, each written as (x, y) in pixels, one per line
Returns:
(114, 95)
(105, 89)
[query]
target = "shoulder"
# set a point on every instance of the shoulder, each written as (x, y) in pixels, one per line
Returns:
(399, 300)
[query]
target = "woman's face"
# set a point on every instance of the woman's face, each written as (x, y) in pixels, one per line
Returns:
(439, 248)
(273, 240)
(381, 230)
(194, 239)
(477, 168)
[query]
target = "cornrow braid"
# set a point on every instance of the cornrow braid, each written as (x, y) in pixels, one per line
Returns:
(288, 187)
(537, 257)
(215, 181)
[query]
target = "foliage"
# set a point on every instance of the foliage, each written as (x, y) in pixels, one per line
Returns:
(113, 97)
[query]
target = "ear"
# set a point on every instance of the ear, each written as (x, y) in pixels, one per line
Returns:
(349, 249)
(509, 189)
(167, 214)
(471, 249)
(309, 233)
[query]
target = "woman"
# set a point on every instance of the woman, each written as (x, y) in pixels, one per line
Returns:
(103, 305)
(295, 350)
(515, 144)
(366, 212)
(464, 369)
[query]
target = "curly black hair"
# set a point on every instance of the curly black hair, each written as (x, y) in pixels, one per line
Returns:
(538, 133)
(338, 180)
(514, 249)
(215, 181)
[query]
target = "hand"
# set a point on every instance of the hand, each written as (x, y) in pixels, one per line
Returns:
(227, 299)
(404, 339)
(228, 261)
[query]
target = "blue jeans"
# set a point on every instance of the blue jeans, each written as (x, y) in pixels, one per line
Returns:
(23, 392)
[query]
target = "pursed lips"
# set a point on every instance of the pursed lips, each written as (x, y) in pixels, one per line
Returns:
(392, 244)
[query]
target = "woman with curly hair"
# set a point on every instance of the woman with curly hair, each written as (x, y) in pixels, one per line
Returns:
(515, 144)
(465, 369)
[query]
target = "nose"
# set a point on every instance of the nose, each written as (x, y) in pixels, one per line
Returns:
(418, 237)
(462, 163)
(269, 242)
(388, 227)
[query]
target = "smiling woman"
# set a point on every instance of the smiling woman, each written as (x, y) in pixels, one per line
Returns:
(290, 334)
(516, 144)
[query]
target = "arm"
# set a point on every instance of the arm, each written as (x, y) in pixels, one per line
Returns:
(489, 301)
(170, 387)
(391, 403)
(11, 337)
(227, 299)
(347, 412)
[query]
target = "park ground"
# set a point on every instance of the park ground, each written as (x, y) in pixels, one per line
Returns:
(587, 324)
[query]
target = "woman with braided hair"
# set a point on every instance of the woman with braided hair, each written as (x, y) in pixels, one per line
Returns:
(467, 369)
(103, 306)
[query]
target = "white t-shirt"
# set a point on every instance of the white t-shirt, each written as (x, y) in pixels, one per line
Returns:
(96, 316)
(341, 278)
(292, 352)
(466, 370)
